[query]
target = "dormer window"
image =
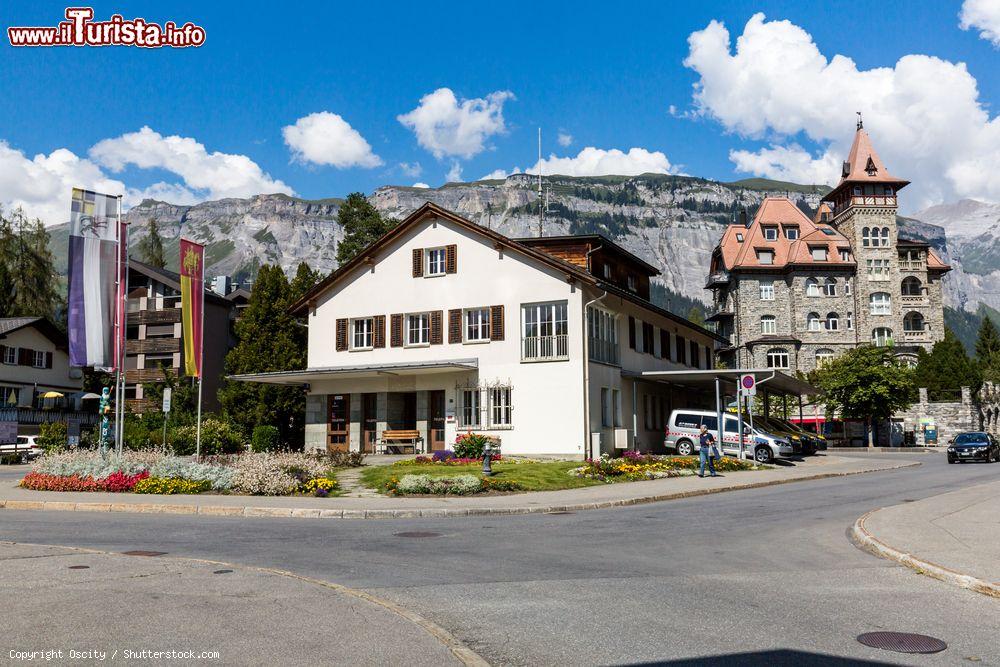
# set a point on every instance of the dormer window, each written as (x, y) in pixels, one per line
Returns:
(771, 233)
(633, 283)
(870, 168)
(765, 257)
(739, 237)
(791, 232)
(845, 255)
(818, 253)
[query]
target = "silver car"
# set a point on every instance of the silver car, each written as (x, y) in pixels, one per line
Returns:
(684, 427)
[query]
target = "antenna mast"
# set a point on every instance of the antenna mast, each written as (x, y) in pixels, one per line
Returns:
(541, 205)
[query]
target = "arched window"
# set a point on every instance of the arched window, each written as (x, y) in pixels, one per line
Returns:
(881, 303)
(881, 336)
(866, 237)
(777, 357)
(832, 321)
(824, 355)
(885, 237)
(911, 286)
(768, 324)
(913, 321)
(812, 322)
(830, 287)
(812, 287)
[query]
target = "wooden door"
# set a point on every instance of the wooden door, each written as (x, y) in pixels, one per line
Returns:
(436, 426)
(338, 427)
(369, 422)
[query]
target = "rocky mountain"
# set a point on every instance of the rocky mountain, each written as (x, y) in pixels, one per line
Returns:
(672, 222)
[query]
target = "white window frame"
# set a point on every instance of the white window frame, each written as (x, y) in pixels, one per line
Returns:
(768, 324)
(830, 287)
(368, 335)
(850, 321)
(824, 355)
(812, 287)
(878, 269)
(767, 290)
(880, 306)
(10, 356)
(545, 331)
(476, 325)
(778, 353)
(632, 282)
(770, 233)
(879, 340)
(435, 262)
(38, 359)
(791, 232)
(422, 330)
(501, 410)
(469, 408)
(602, 328)
(813, 322)
(845, 255)
(866, 237)
(833, 321)
(819, 253)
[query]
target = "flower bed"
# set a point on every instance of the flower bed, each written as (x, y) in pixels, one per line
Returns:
(633, 466)
(458, 485)
(151, 471)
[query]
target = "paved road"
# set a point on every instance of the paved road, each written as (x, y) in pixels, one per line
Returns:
(766, 575)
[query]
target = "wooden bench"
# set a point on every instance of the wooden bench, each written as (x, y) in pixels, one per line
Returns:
(398, 440)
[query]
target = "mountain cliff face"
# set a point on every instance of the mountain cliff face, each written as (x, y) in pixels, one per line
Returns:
(672, 222)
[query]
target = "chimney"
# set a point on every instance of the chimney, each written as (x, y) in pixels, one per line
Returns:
(743, 218)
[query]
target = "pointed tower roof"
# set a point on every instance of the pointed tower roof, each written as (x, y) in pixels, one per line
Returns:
(863, 166)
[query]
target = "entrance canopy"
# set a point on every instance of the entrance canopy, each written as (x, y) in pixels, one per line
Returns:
(360, 371)
(768, 379)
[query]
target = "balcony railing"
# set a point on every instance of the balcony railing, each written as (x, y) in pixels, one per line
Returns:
(603, 350)
(153, 345)
(873, 200)
(916, 334)
(717, 278)
(36, 416)
(545, 348)
(165, 316)
(914, 299)
(915, 265)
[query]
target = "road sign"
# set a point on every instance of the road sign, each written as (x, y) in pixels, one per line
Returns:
(166, 399)
(748, 385)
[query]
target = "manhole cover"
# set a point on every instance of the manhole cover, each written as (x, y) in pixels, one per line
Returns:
(221, 571)
(418, 533)
(79, 567)
(902, 642)
(144, 553)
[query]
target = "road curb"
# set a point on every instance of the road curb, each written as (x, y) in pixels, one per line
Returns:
(873, 545)
(407, 513)
(463, 653)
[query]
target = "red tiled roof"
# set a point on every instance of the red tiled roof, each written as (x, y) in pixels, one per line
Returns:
(781, 212)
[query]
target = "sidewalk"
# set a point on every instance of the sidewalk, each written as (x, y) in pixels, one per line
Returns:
(591, 497)
(954, 537)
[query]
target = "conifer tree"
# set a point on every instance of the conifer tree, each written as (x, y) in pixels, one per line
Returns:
(151, 247)
(946, 369)
(362, 224)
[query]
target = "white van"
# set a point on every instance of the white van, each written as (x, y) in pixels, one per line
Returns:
(684, 427)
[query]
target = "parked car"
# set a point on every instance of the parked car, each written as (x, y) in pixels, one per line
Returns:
(684, 426)
(973, 446)
(811, 443)
(800, 445)
(26, 445)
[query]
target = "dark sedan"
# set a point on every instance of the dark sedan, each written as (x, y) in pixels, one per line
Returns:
(974, 446)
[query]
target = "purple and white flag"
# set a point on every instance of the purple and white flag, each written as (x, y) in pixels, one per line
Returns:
(93, 265)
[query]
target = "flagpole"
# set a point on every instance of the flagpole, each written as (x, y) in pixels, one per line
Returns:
(118, 327)
(123, 304)
(201, 356)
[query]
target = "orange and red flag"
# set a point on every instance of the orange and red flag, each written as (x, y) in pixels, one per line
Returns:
(192, 304)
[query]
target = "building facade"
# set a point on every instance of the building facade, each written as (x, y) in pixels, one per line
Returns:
(153, 344)
(444, 327)
(791, 293)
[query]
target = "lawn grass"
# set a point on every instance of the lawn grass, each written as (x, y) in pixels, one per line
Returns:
(543, 476)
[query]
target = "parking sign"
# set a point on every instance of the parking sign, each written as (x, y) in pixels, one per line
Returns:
(748, 385)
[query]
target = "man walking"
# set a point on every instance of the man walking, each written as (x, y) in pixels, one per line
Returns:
(706, 450)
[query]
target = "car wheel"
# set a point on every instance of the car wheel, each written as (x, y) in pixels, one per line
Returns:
(763, 455)
(685, 448)
(951, 460)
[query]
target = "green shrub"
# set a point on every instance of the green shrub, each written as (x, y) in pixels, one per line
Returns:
(265, 438)
(171, 485)
(53, 436)
(471, 445)
(217, 437)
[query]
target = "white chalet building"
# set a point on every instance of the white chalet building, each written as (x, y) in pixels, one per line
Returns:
(443, 326)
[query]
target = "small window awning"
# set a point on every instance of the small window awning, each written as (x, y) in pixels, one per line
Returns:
(773, 381)
(359, 371)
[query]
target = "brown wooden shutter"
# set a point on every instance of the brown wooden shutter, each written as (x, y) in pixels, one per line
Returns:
(437, 336)
(451, 259)
(341, 334)
(496, 322)
(664, 344)
(24, 356)
(418, 262)
(379, 322)
(631, 332)
(48, 360)
(396, 330)
(455, 325)
(3, 355)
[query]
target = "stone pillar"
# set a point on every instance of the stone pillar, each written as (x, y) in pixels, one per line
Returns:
(423, 418)
(316, 418)
(355, 435)
(381, 413)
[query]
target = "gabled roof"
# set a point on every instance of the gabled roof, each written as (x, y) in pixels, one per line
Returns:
(432, 210)
(9, 325)
(171, 279)
(864, 165)
(648, 268)
(780, 212)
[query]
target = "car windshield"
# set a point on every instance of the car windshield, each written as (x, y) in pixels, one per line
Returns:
(971, 438)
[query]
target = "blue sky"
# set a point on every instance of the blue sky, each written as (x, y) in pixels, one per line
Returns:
(604, 75)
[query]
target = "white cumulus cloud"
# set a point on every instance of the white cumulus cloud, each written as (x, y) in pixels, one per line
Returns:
(981, 15)
(599, 162)
(411, 169)
(923, 113)
(420, 185)
(447, 126)
(564, 139)
(325, 138)
(454, 174)
(215, 175)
